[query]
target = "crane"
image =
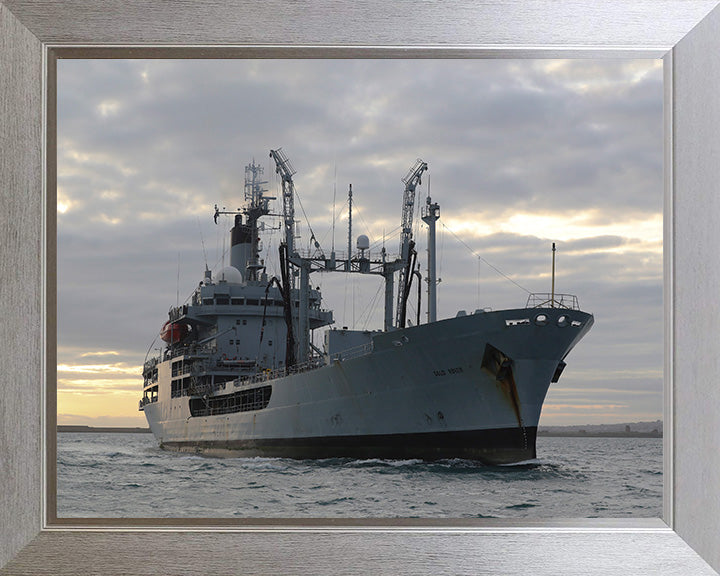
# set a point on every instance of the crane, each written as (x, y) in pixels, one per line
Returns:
(286, 171)
(407, 246)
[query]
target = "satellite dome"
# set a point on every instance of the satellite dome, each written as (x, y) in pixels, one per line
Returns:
(363, 242)
(229, 274)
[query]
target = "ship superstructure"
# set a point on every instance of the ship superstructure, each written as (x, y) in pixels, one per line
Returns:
(240, 374)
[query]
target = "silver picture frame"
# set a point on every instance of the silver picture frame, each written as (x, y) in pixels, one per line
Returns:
(33, 35)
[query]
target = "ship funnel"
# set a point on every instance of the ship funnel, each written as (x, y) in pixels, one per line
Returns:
(241, 252)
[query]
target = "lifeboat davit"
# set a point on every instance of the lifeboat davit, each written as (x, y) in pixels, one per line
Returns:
(173, 332)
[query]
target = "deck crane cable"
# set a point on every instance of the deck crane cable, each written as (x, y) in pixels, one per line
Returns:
(370, 308)
(485, 261)
(285, 169)
(332, 229)
(387, 236)
(307, 221)
(359, 212)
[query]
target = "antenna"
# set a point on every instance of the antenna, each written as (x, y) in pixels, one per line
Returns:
(349, 252)
(333, 218)
(177, 301)
(223, 251)
(552, 295)
(202, 241)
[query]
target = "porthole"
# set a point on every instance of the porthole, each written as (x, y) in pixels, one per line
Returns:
(563, 321)
(541, 319)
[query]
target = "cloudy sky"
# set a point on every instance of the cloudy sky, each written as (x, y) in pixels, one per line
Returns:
(521, 153)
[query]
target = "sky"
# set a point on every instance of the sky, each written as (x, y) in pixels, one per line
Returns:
(520, 154)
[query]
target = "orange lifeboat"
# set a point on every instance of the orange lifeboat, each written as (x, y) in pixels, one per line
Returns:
(172, 333)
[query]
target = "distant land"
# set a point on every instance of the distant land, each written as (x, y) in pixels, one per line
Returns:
(627, 430)
(102, 429)
(652, 429)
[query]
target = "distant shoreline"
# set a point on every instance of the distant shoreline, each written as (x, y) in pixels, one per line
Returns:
(103, 429)
(582, 434)
(541, 433)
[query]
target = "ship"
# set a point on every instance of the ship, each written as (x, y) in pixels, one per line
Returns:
(240, 372)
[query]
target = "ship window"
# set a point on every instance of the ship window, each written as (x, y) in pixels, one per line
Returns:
(222, 300)
(269, 342)
(232, 342)
(237, 301)
(279, 303)
(253, 302)
(179, 387)
(207, 301)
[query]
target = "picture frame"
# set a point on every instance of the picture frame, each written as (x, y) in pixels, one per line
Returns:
(32, 36)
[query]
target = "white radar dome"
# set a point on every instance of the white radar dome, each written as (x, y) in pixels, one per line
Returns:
(229, 274)
(363, 242)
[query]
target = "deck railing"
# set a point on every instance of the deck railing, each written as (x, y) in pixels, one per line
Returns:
(548, 300)
(354, 352)
(280, 372)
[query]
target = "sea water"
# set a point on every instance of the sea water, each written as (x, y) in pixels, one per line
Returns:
(128, 476)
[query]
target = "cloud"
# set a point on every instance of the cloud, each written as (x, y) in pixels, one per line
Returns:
(521, 153)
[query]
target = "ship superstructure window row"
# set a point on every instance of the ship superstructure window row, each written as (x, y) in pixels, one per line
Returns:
(242, 401)
(225, 300)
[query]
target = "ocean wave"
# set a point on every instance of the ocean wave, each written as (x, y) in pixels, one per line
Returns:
(260, 464)
(530, 463)
(520, 506)
(110, 479)
(374, 462)
(334, 501)
(69, 463)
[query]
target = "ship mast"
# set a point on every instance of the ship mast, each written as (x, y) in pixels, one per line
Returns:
(430, 215)
(244, 240)
(349, 251)
(257, 207)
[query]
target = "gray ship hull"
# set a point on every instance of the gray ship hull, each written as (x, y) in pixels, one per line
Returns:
(467, 387)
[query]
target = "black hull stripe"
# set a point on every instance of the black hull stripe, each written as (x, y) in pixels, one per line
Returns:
(496, 446)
